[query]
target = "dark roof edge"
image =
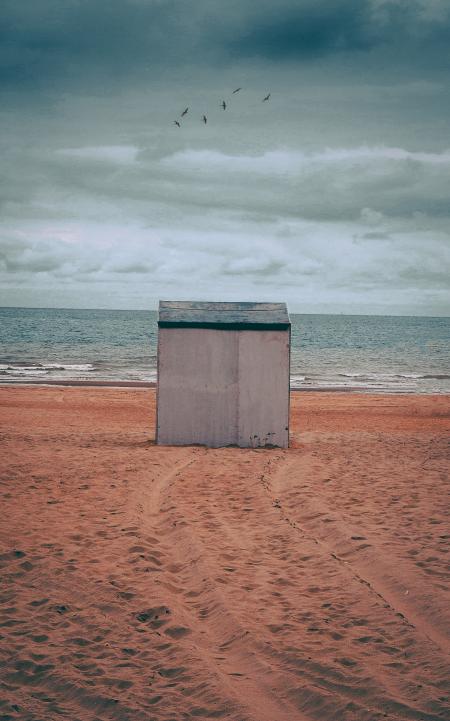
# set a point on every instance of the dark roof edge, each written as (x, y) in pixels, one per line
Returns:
(224, 326)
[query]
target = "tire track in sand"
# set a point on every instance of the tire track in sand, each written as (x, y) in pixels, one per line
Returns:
(216, 639)
(255, 600)
(365, 561)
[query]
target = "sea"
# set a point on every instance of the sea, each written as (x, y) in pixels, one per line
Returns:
(385, 354)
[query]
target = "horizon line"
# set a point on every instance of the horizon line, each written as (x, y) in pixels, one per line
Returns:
(155, 310)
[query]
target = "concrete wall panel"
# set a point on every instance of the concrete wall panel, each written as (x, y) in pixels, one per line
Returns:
(263, 415)
(223, 387)
(197, 386)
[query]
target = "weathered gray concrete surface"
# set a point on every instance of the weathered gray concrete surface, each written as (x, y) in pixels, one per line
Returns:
(223, 387)
(197, 386)
(263, 388)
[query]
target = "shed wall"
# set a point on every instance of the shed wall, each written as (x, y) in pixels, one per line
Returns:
(197, 386)
(263, 416)
(223, 387)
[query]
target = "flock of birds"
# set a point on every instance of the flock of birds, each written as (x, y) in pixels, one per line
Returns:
(223, 105)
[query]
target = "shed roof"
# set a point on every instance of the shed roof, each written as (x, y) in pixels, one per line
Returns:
(224, 316)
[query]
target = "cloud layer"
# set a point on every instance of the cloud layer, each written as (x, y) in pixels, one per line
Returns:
(332, 195)
(364, 225)
(49, 41)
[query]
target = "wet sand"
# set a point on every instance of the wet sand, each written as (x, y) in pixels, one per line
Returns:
(146, 583)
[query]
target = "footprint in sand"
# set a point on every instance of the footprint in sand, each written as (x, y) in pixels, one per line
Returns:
(38, 603)
(27, 566)
(61, 609)
(177, 631)
(137, 549)
(154, 617)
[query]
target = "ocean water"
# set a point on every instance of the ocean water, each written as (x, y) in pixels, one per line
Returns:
(368, 353)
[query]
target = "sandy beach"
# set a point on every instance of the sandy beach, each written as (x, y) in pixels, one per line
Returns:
(147, 583)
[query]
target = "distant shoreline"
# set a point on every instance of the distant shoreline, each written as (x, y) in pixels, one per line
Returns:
(101, 384)
(152, 384)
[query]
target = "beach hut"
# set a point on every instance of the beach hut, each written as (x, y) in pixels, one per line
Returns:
(223, 374)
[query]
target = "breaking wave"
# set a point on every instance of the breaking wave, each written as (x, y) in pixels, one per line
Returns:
(38, 370)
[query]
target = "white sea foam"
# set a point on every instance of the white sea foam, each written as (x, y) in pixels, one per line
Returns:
(39, 369)
(363, 381)
(70, 366)
(392, 377)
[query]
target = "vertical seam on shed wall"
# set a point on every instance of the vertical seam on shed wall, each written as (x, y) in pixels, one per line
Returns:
(238, 394)
(157, 385)
(289, 387)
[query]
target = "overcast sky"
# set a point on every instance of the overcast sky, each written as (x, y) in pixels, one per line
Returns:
(333, 195)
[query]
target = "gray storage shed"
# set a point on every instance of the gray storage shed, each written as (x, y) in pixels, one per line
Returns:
(223, 374)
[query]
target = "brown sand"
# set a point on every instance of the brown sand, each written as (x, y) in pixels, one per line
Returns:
(146, 583)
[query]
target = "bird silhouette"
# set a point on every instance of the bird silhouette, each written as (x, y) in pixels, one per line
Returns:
(205, 119)
(184, 112)
(223, 104)
(236, 91)
(266, 98)
(177, 123)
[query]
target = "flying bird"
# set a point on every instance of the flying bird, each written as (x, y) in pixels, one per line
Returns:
(266, 98)
(184, 112)
(177, 123)
(205, 119)
(223, 104)
(236, 91)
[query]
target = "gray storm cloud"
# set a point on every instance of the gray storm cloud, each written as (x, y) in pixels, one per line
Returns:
(50, 41)
(332, 195)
